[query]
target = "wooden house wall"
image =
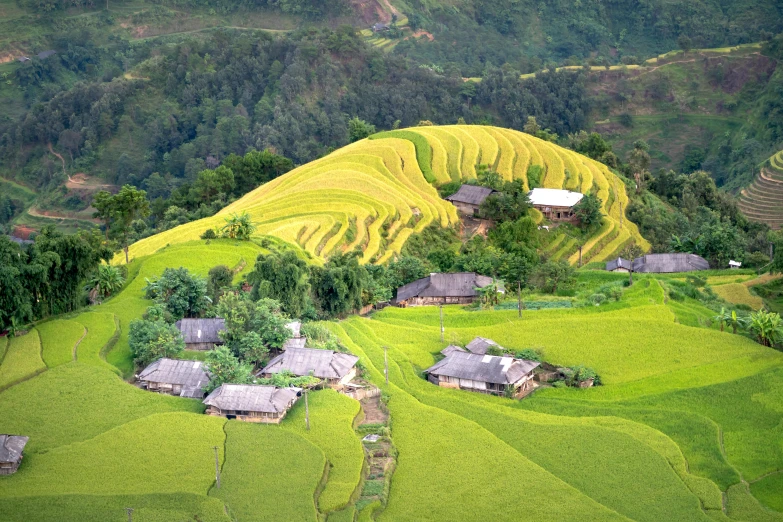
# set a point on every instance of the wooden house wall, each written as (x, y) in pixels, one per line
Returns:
(253, 416)
(199, 347)
(7, 468)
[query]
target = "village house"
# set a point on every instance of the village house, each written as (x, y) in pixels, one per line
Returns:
(555, 204)
(659, 264)
(483, 373)
(451, 349)
(436, 289)
(297, 340)
(481, 345)
(734, 264)
(201, 334)
(11, 448)
(335, 368)
(468, 198)
(619, 265)
(379, 27)
(175, 377)
(251, 402)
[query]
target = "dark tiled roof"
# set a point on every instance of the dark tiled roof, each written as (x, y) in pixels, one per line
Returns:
(471, 194)
(252, 397)
(483, 368)
(201, 330)
(444, 285)
(480, 345)
(174, 371)
(325, 364)
(11, 447)
(668, 263)
(614, 264)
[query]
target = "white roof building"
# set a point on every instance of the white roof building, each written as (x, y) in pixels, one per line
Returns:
(554, 197)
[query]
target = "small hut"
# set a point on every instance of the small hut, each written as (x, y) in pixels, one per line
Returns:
(251, 402)
(436, 289)
(468, 198)
(175, 377)
(451, 349)
(734, 264)
(555, 204)
(481, 345)
(336, 368)
(483, 373)
(619, 265)
(297, 340)
(201, 334)
(11, 448)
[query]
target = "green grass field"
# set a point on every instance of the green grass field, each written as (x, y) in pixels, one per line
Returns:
(22, 359)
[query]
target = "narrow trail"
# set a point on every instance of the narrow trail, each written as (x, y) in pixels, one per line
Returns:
(62, 160)
(50, 214)
(75, 346)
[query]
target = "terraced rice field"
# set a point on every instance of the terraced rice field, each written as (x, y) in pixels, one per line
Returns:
(763, 199)
(386, 186)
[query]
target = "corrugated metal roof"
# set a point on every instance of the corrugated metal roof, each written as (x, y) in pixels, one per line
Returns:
(669, 263)
(554, 197)
(11, 447)
(252, 397)
(614, 264)
(480, 345)
(462, 284)
(201, 330)
(174, 371)
(483, 368)
(471, 194)
(324, 364)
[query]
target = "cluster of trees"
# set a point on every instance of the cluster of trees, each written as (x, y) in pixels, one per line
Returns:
(48, 277)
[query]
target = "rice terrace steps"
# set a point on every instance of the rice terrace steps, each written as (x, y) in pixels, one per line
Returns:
(381, 190)
(763, 199)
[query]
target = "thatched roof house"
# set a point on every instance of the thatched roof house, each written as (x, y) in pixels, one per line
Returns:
(483, 373)
(335, 368)
(469, 198)
(555, 204)
(175, 377)
(438, 289)
(251, 402)
(481, 345)
(201, 334)
(11, 448)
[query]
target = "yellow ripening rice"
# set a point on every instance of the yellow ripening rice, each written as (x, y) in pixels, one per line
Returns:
(376, 189)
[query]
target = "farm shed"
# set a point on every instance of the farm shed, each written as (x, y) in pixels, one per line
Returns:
(619, 265)
(481, 345)
(336, 368)
(734, 264)
(555, 204)
(669, 263)
(483, 373)
(438, 289)
(11, 448)
(251, 402)
(469, 198)
(379, 27)
(201, 334)
(451, 349)
(175, 377)
(297, 340)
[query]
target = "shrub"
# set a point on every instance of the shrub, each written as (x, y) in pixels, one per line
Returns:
(149, 340)
(208, 234)
(597, 299)
(529, 354)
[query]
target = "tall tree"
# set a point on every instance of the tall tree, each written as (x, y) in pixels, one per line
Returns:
(283, 277)
(118, 211)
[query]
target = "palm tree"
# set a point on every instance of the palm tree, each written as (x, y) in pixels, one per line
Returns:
(766, 326)
(107, 280)
(239, 227)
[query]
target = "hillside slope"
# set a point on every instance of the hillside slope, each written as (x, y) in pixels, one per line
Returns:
(763, 199)
(375, 193)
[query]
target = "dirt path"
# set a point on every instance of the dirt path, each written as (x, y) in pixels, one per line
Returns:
(373, 412)
(51, 214)
(75, 346)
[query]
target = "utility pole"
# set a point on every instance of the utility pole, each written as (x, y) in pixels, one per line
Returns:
(129, 511)
(307, 412)
(580, 256)
(441, 323)
(630, 275)
(519, 298)
(386, 364)
(217, 467)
